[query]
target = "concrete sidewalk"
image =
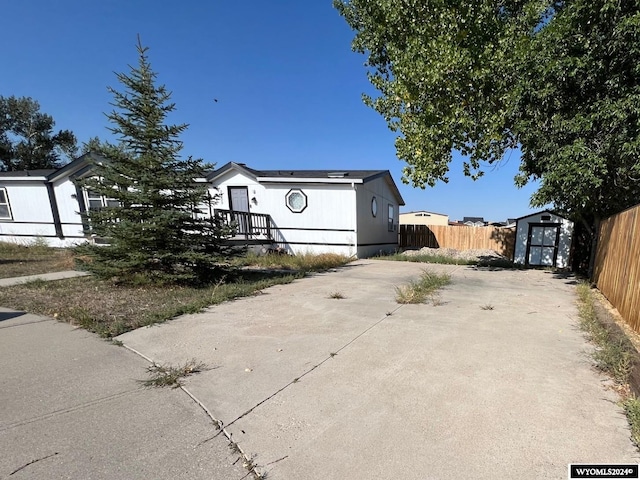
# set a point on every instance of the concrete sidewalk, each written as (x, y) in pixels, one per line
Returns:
(494, 381)
(7, 282)
(72, 407)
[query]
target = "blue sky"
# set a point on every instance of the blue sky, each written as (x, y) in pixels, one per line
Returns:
(287, 83)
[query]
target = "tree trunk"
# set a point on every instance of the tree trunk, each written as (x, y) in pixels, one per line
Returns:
(595, 230)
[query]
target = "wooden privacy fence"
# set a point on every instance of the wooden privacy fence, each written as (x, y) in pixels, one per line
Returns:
(616, 269)
(500, 239)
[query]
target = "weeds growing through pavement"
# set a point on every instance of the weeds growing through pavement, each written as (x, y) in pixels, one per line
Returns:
(418, 291)
(171, 376)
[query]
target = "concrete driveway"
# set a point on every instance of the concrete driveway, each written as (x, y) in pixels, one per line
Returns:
(359, 388)
(71, 407)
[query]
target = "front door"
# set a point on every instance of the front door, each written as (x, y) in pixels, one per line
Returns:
(239, 205)
(542, 244)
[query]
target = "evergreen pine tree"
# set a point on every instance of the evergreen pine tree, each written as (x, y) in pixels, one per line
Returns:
(157, 220)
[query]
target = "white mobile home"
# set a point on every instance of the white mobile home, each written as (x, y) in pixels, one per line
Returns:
(353, 212)
(543, 239)
(34, 205)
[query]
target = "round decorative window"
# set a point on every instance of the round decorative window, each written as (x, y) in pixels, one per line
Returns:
(296, 200)
(374, 206)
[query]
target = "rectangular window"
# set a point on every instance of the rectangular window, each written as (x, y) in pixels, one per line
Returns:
(391, 218)
(5, 208)
(95, 201)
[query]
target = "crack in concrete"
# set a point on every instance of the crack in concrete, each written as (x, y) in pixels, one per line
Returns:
(331, 355)
(276, 461)
(248, 463)
(247, 460)
(253, 468)
(27, 323)
(32, 462)
(64, 411)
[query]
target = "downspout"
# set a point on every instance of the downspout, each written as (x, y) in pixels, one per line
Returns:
(355, 216)
(55, 212)
(83, 210)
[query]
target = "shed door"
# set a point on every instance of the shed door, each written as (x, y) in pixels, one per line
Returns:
(239, 204)
(542, 245)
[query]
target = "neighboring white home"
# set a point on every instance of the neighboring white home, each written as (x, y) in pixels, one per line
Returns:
(543, 239)
(423, 217)
(40, 204)
(353, 212)
(474, 221)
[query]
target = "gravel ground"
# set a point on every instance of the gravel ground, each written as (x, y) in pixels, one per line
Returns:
(466, 255)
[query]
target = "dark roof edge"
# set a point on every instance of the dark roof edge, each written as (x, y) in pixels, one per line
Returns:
(77, 164)
(28, 174)
(231, 166)
(394, 188)
(547, 210)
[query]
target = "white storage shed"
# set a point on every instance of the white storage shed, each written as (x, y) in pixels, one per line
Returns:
(543, 239)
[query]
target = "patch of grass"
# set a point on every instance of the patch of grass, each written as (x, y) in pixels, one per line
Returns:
(615, 358)
(170, 376)
(632, 409)
(417, 291)
(398, 257)
(336, 295)
(110, 310)
(34, 258)
(443, 259)
(301, 263)
(614, 355)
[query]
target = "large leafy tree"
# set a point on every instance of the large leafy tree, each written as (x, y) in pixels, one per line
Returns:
(557, 79)
(577, 111)
(156, 217)
(444, 73)
(28, 140)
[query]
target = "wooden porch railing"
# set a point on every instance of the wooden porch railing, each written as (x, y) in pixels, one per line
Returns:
(247, 225)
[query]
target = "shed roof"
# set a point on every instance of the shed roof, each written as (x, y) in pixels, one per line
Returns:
(552, 212)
